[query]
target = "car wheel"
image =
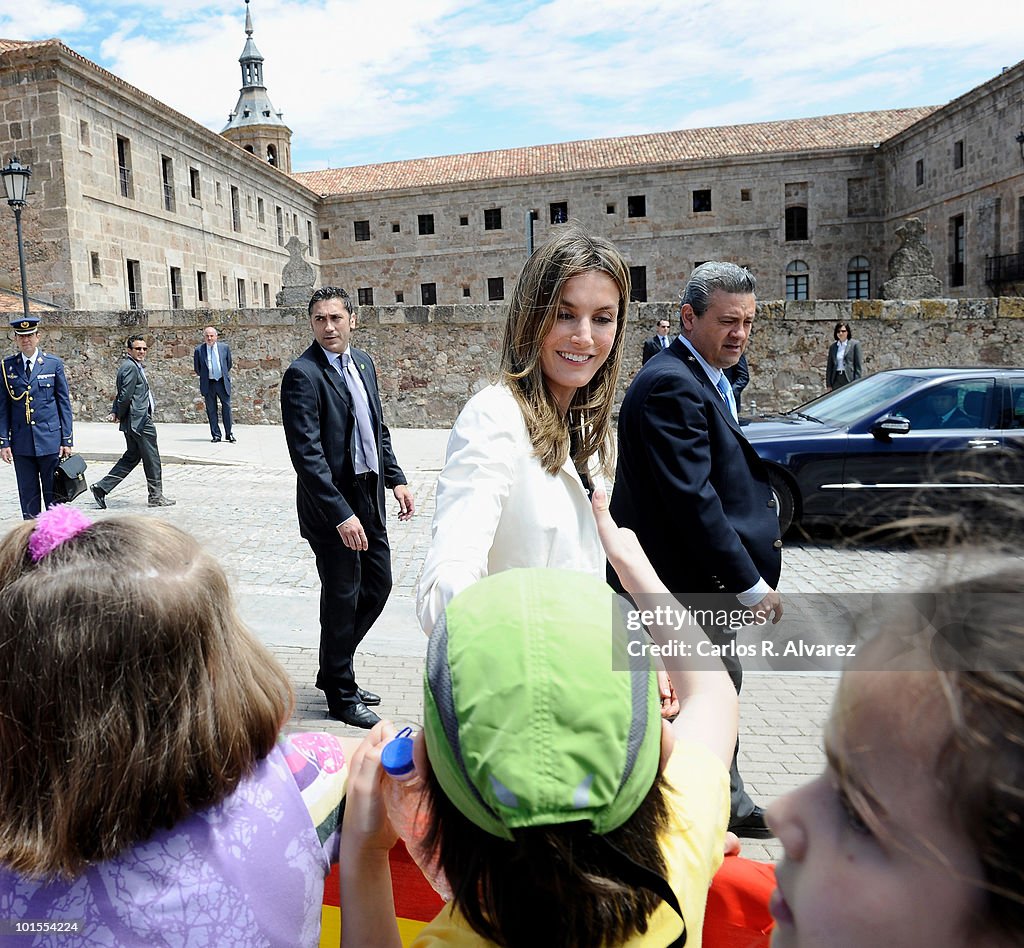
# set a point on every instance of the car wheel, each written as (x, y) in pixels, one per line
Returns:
(783, 501)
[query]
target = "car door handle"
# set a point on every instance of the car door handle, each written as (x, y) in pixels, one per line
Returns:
(983, 443)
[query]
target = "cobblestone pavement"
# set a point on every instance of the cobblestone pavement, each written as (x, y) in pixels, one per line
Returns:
(240, 503)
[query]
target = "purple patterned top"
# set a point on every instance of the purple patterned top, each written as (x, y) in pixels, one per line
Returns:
(246, 872)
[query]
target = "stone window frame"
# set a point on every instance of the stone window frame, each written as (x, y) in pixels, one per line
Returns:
(495, 289)
(919, 173)
(492, 218)
(364, 296)
(796, 223)
(175, 287)
(428, 294)
(195, 184)
(558, 212)
(701, 200)
(798, 281)
(858, 278)
(361, 230)
(95, 268)
(201, 289)
(959, 155)
(425, 225)
(636, 205)
(638, 284)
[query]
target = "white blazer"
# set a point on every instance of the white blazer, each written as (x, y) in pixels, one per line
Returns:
(498, 509)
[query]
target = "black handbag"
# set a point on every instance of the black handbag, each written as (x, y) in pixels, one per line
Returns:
(69, 479)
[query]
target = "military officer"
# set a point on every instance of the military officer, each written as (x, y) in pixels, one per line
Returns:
(35, 416)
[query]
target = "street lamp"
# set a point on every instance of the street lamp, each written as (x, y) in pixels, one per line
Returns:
(16, 185)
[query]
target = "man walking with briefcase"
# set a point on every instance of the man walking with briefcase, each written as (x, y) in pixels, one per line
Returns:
(35, 417)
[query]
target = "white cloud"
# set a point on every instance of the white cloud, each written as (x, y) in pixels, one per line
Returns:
(352, 74)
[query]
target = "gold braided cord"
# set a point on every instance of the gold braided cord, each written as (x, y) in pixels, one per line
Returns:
(18, 398)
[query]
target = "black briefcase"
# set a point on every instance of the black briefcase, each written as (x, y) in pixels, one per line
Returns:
(69, 479)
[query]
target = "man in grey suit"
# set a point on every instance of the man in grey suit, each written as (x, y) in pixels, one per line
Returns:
(133, 408)
(212, 363)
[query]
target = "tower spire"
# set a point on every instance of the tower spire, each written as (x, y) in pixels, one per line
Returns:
(254, 124)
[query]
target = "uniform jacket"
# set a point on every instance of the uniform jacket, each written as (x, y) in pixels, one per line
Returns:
(689, 483)
(47, 427)
(320, 429)
(498, 509)
(203, 370)
(131, 403)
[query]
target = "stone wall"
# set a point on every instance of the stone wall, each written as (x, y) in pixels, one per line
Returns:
(431, 359)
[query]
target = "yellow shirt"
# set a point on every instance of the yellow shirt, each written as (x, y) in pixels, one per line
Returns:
(698, 798)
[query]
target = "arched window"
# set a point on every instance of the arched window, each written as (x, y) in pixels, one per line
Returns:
(797, 280)
(858, 279)
(250, 149)
(272, 155)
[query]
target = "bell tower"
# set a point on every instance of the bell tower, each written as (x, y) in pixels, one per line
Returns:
(254, 124)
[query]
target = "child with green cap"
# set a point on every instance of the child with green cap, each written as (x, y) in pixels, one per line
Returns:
(564, 812)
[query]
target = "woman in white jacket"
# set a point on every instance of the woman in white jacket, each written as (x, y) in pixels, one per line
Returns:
(525, 452)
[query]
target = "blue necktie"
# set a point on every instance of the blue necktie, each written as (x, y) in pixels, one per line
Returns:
(726, 391)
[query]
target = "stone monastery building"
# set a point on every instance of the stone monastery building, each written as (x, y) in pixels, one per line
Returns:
(136, 206)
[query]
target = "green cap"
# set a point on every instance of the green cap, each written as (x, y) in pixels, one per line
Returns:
(526, 720)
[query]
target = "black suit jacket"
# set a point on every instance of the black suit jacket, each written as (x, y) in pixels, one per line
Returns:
(652, 347)
(690, 485)
(320, 429)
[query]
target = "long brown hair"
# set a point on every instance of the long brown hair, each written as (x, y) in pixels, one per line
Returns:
(532, 311)
(131, 693)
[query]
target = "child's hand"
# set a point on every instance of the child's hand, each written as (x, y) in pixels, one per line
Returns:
(366, 826)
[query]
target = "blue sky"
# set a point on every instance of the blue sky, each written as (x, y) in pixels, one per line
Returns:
(363, 81)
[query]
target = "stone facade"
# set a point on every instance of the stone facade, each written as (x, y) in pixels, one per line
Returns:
(430, 360)
(135, 206)
(117, 176)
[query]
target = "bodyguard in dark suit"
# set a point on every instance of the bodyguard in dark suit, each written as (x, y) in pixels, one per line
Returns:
(738, 376)
(689, 483)
(341, 451)
(133, 408)
(35, 417)
(212, 363)
(658, 341)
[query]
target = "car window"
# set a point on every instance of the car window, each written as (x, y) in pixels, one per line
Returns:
(850, 403)
(1014, 417)
(955, 405)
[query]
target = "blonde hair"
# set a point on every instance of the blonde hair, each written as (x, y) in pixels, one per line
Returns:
(132, 694)
(532, 311)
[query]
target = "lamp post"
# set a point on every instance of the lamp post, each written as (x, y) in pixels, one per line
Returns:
(16, 185)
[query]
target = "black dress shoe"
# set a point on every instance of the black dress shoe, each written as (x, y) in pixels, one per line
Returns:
(99, 497)
(752, 826)
(232, 439)
(368, 697)
(215, 440)
(355, 715)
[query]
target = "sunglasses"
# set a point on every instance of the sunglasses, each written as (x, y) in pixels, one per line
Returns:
(140, 348)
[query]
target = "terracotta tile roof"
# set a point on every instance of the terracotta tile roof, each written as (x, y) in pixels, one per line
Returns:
(11, 302)
(854, 129)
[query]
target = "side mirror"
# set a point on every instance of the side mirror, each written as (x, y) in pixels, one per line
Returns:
(889, 425)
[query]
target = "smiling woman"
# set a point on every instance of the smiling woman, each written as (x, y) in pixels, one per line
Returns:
(524, 452)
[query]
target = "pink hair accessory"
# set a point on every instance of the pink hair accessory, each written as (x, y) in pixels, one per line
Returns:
(54, 527)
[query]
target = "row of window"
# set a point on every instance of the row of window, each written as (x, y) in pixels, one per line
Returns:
(260, 291)
(127, 188)
(858, 279)
(796, 217)
(858, 285)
